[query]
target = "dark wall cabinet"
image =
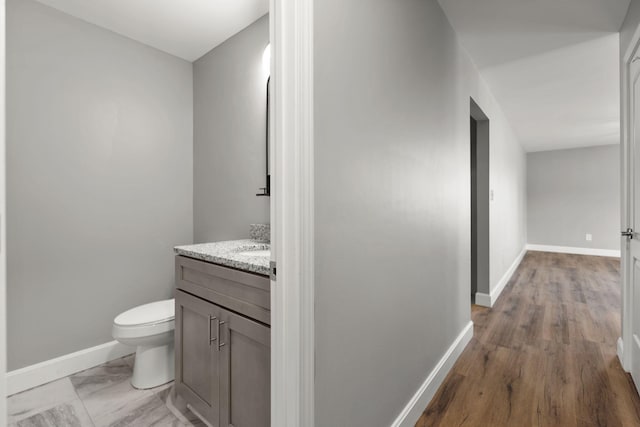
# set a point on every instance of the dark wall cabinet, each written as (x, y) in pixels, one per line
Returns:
(223, 360)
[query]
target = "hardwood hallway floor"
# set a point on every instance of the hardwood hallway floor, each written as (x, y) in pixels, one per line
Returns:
(545, 355)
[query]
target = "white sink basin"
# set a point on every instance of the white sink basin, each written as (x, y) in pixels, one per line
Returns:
(259, 253)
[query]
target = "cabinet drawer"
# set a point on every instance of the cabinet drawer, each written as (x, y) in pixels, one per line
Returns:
(245, 293)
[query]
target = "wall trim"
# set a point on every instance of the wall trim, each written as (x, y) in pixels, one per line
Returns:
(292, 214)
(416, 405)
(484, 299)
(488, 300)
(3, 214)
(577, 251)
(620, 352)
(50, 370)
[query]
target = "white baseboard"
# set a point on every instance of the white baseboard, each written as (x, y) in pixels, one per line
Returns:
(50, 370)
(487, 300)
(411, 413)
(620, 351)
(484, 299)
(577, 251)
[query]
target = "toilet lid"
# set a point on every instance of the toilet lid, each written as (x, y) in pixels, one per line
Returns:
(155, 312)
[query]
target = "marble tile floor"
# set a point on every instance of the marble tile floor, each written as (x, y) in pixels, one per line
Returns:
(98, 397)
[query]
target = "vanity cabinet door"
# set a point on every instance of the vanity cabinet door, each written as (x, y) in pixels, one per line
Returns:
(197, 354)
(245, 368)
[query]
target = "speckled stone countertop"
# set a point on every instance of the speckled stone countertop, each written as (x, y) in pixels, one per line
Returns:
(246, 255)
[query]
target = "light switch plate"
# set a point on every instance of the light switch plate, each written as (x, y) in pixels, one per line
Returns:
(589, 237)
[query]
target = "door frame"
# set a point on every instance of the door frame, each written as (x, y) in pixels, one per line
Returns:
(292, 296)
(3, 216)
(292, 213)
(482, 237)
(626, 187)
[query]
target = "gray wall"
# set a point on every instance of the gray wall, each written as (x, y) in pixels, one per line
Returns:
(574, 192)
(229, 136)
(99, 156)
(392, 90)
(629, 26)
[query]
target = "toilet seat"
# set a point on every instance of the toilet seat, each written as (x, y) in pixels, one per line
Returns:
(145, 320)
(141, 331)
(147, 314)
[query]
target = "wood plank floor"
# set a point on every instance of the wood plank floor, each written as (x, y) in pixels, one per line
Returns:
(545, 355)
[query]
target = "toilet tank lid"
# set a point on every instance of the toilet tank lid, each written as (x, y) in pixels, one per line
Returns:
(155, 312)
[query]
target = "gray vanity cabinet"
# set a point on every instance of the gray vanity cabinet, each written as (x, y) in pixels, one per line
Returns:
(223, 354)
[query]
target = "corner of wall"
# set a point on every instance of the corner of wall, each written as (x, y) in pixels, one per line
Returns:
(420, 400)
(488, 300)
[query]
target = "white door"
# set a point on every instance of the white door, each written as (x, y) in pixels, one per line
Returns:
(632, 243)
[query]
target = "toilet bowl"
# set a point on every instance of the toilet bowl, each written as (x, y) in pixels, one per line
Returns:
(149, 328)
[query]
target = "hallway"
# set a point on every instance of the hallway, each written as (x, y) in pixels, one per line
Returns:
(545, 355)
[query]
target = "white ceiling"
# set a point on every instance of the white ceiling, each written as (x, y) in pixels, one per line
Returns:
(184, 28)
(551, 64)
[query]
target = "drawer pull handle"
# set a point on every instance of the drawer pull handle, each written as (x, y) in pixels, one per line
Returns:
(211, 339)
(220, 344)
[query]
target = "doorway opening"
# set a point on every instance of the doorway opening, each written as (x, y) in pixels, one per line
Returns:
(480, 199)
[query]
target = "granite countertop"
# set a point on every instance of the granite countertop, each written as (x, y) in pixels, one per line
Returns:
(246, 255)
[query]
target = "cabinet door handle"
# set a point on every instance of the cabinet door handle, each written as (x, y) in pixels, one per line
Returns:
(220, 344)
(211, 318)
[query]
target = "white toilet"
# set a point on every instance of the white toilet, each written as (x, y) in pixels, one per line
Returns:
(149, 327)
